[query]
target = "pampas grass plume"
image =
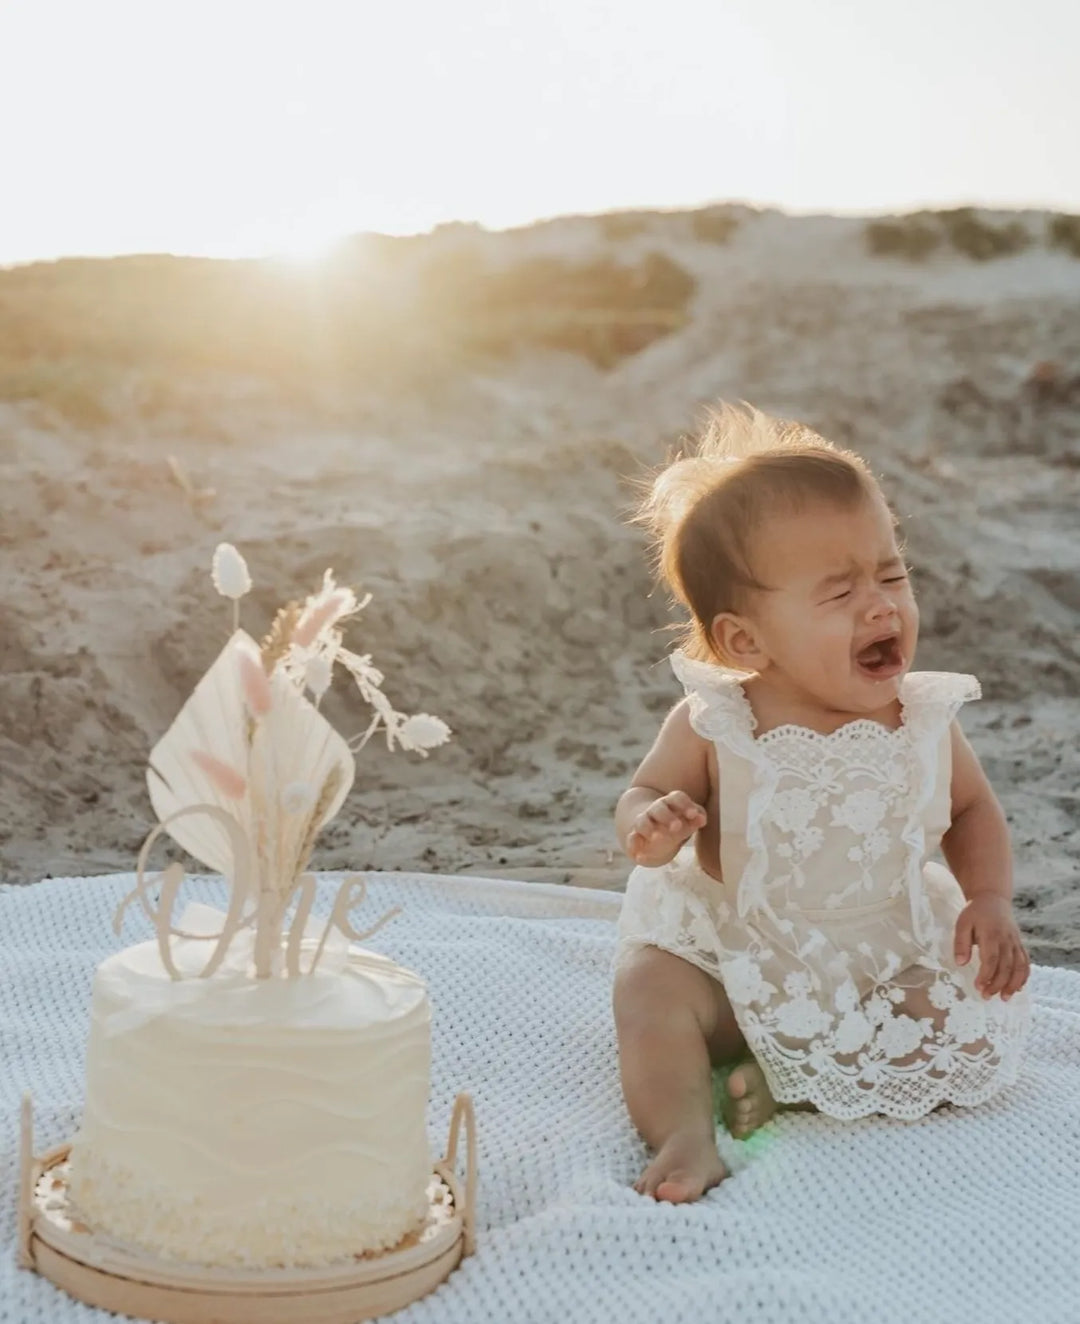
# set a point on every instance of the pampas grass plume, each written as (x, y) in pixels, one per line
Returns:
(316, 618)
(229, 572)
(255, 683)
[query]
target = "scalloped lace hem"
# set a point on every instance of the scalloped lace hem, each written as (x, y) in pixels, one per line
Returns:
(906, 1096)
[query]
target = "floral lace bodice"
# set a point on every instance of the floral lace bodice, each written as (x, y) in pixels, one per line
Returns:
(832, 929)
(828, 822)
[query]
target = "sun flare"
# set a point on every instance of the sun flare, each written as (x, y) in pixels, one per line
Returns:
(308, 250)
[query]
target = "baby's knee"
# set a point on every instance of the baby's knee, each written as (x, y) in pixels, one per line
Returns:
(653, 988)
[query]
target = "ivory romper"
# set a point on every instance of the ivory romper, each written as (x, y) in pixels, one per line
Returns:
(832, 931)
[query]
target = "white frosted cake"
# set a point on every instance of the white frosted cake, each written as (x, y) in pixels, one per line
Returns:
(256, 1087)
(235, 1121)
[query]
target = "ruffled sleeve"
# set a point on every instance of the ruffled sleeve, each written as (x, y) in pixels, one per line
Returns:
(719, 709)
(932, 699)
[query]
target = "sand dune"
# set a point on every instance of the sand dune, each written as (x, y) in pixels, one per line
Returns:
(484, 511)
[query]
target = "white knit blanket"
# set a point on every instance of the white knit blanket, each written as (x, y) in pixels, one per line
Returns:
(963, 1216)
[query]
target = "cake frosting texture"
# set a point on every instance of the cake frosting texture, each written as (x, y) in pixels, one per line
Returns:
(240, 1121)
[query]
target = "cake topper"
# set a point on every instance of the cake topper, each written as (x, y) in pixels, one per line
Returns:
(251, 771)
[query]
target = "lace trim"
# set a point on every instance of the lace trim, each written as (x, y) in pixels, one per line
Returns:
(874, 1084)
(720, 709)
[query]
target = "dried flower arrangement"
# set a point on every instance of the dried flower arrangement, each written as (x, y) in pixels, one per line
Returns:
(250, 772)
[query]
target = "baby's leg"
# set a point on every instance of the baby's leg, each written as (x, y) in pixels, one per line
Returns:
(672, 1019)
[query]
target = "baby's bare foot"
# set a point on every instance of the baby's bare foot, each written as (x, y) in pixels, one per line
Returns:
(685, 1168)
(749, 1102)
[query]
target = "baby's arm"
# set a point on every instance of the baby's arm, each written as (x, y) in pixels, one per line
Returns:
(664, 804)
(976, 847)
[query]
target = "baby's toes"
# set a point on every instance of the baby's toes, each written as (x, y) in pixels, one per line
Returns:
(750, 1104)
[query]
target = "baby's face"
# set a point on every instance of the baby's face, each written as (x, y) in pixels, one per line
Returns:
(839, 622)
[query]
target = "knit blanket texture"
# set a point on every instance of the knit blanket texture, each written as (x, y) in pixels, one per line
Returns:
(962, 1216)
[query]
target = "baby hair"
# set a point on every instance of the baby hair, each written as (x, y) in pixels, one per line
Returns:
(703, 509)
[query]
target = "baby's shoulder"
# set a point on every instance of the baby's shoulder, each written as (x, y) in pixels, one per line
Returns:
(678, 726)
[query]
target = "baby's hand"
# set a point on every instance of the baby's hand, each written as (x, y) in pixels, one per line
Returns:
(659, 831)
(987, 922)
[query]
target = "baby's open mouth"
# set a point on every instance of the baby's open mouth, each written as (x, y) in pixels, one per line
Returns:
(882, 658)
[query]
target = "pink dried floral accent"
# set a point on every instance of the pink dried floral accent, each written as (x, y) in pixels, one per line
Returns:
(316, 618)
(228, 781)
(255, 683)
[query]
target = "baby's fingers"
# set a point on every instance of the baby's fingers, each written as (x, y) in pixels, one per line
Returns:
(637, 845)
(1003, 970)
(686, 808)
(645, 828)
(667, 820)
(1020, 973)
(962, 939)
(662, 816)
(989, 955)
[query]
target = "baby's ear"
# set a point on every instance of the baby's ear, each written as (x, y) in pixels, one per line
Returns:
(736, 641)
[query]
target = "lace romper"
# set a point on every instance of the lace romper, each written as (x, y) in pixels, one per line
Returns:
(832, 931)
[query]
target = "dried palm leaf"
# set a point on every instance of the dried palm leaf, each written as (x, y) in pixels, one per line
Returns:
(213, 722)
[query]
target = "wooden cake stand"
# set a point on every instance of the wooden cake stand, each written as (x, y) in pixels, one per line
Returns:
(121, 1278)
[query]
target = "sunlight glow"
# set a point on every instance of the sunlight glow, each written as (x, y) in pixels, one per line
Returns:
(308, 250)
(258, 126)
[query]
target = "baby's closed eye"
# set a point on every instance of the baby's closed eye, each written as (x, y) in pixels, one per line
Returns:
(846, 592)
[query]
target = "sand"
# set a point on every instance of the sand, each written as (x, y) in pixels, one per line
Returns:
(510, 596)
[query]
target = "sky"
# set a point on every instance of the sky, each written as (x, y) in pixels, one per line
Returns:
(234, 128)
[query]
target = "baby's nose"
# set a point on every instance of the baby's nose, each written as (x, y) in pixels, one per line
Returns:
(880, 604)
